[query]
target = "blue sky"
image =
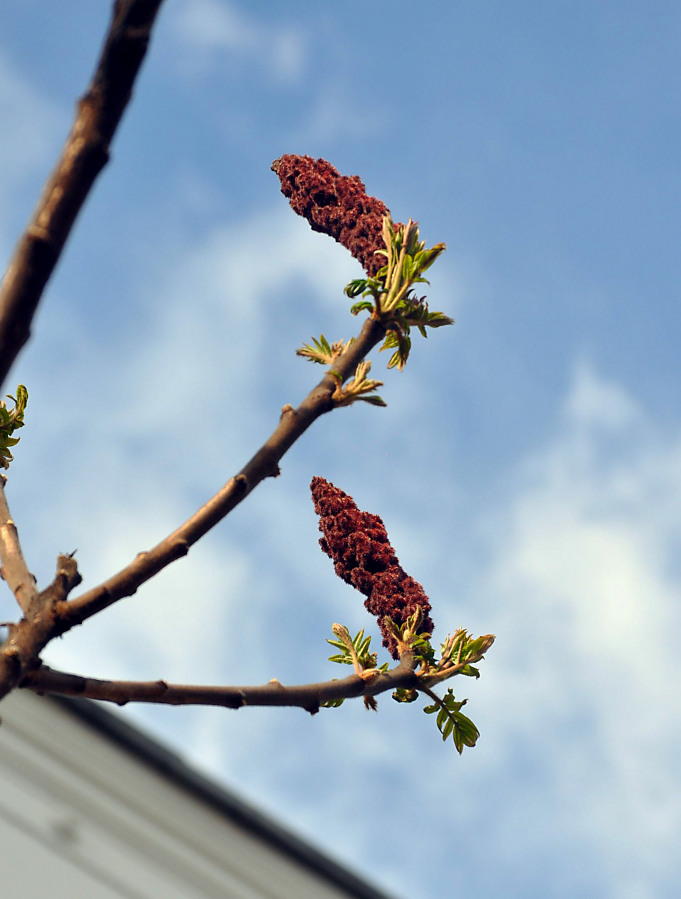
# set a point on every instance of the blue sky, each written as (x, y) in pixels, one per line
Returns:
(527, 466)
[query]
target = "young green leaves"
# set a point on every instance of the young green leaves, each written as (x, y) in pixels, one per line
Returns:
(391, 290)
(359, 388)
(354, 650)
(322, 351)
(451, 721)
(10, 421)
(392, 302)
(457, 653)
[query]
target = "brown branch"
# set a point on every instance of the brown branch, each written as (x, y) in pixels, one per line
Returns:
(305, 696)
(265, 463)
(85, 154)
(14, 569)
(20, 653)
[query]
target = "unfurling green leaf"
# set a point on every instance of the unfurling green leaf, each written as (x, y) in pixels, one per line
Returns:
(374, 400)
(353, 650)
(391, 290)
(357, 388)
(460, 651)
(10, 421)
(356, 308)
(322, 351)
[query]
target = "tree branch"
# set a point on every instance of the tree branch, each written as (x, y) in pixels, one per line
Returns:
(265, 463)
(14, 569)
(20, 653)
(305, 696)
(85, 154)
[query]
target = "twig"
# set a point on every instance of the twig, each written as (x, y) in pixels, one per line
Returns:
(265, 463)
(306, 696)
(14, 569)
(424, 688)
(85, 154)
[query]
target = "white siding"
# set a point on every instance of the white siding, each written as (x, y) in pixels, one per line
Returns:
(81, 816)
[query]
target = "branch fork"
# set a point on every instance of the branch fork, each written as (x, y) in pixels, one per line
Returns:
(336, 205)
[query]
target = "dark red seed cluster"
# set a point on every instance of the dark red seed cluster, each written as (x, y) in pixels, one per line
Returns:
(358, 544)
(336, 205)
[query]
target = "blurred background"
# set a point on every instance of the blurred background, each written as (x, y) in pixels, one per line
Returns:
(528, 464)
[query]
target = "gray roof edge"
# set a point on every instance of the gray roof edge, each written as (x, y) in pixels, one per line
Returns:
(171, 765)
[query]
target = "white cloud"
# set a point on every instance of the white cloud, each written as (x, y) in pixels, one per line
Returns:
(213, 28)
(335, 115)
(586, 666)
(213, 23)
(219, 305)
(596, 403)
(29, 124)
